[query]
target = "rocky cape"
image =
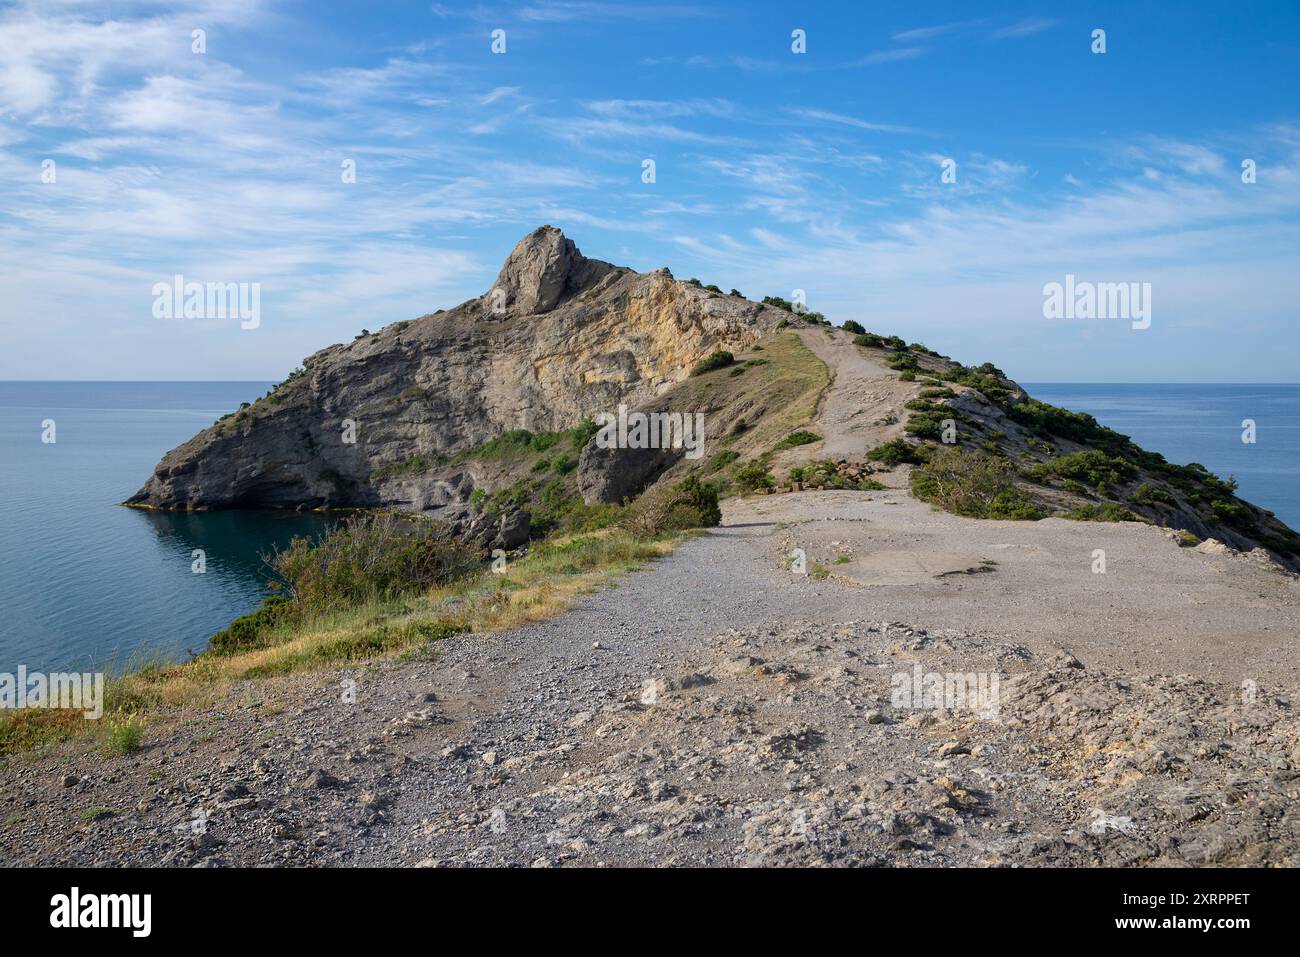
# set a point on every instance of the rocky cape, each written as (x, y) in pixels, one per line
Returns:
(558, 339)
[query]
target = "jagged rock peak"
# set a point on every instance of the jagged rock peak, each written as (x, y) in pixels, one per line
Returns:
(543, 269)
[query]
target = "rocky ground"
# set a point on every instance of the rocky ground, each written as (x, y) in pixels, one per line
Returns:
(721, 708)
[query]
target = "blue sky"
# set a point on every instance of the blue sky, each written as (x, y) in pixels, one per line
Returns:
(775, 171)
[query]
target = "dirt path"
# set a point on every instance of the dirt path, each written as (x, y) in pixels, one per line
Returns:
(736, 712)
(863, 404)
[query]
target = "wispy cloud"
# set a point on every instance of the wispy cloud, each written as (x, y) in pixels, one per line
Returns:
(826, 116)
(928, 33)
(1025, 28)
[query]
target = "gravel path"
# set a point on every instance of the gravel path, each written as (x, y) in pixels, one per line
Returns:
(720, 708)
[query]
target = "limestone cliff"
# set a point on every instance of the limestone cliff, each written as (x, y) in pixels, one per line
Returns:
(558, 339)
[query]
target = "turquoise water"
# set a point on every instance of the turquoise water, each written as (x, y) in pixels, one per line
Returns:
(1202, 423)
(86, 583)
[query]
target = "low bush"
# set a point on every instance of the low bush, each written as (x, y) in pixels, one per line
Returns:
(369, 557)
(897, 452)
(720, 460)
(1092, 467)
(801, 437)
(972, 484)
(850, 326)
(716, 360)
(690, 503)
(252, 630)
(1146, 494)
(753, 477)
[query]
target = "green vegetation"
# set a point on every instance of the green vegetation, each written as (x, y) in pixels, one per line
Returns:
(848, 325)
(897, 452)
(716, 360)
(972, 484)
(688, 504)
(868, 339)
(124, 736)
(720, 460)
(1146, 494)
(514, 444)
(370, 557)
(753, 477)
(801, 437)
(1092, 467)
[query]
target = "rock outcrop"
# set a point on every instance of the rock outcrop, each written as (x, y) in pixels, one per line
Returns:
(557, 340)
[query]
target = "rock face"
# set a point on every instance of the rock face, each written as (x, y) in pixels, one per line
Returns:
(615, 474)
(558, 339)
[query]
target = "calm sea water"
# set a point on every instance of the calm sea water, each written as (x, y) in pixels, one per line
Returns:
(1202, 423)
(85, 583)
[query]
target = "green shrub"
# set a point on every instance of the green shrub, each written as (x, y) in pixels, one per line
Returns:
(1146, 494)
(927, 425)
(369, 557)
(690, 503)
(869, 340)
(1092, 467)
(897, 452)
(850, 326)
(251, 631)
(1234, 513)
(937, 393)
(972, 484)
(716, 360)
(720, 460)
(801, 437)
(753, 477)
(124, 736)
